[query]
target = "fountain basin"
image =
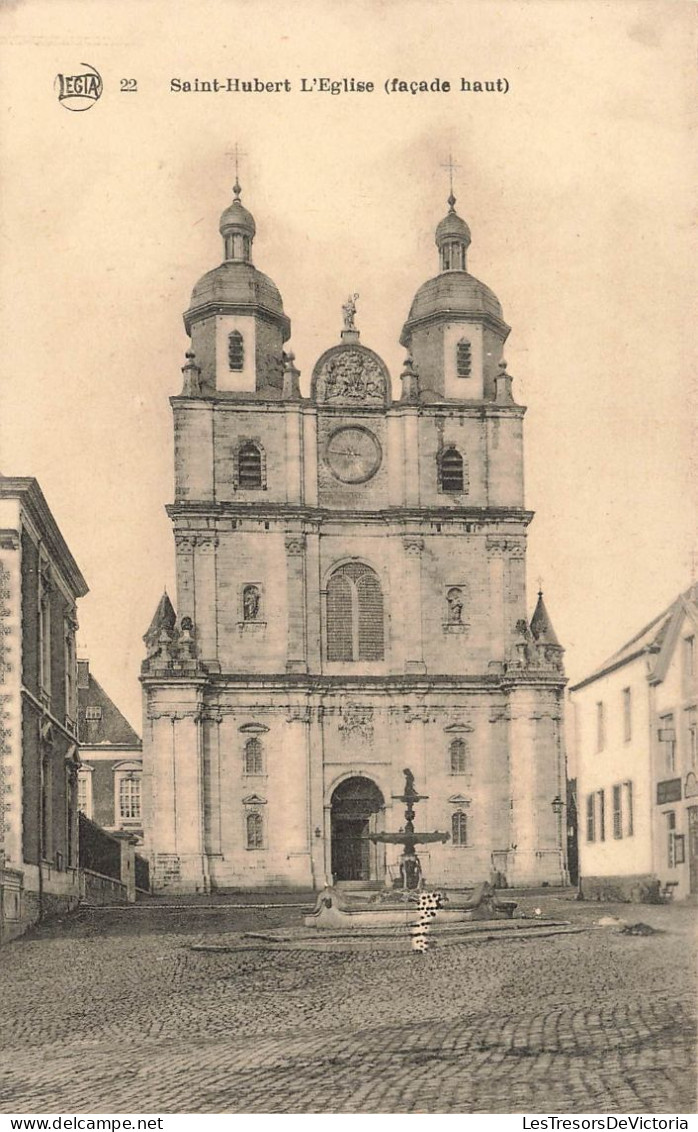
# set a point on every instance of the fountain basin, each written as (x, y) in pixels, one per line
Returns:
(333, 909)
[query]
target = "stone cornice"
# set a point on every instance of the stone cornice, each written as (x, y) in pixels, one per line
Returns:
(391, 515)
(214, 307)
(249, 402)
(27, 491)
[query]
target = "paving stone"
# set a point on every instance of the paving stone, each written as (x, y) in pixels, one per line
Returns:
(112, 1011)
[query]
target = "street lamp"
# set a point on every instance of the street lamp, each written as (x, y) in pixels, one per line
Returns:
(558, 806)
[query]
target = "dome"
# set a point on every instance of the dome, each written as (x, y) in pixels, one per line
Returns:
(453, 292)
(452, 228)
(237, 218)
(235, 284)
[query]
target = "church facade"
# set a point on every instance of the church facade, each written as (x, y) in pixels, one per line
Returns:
(351, 601)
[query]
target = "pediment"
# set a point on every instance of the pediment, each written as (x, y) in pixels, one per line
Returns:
(254, 800)
(459, 800)
(253, 728)
(454, 728)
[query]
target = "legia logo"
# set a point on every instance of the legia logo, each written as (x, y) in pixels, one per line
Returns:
(80, 91)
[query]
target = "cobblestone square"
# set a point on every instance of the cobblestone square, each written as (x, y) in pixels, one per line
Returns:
(113, 1011)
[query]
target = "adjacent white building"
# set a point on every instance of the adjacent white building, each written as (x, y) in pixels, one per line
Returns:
(636, 731)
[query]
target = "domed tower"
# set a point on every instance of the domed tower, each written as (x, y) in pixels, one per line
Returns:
(236, 316)
(455, 330)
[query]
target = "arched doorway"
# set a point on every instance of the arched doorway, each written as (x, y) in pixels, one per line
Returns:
(356, 807)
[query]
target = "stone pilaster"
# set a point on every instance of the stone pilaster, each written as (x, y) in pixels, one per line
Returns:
(495, 566)
(536, 778)
(186, 593)
(296, 656)
(211, 782)
(206, 601)
(412, 615)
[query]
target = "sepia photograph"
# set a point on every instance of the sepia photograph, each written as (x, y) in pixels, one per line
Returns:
(348, 561)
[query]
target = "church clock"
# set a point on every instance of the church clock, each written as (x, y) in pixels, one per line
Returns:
(353, 454)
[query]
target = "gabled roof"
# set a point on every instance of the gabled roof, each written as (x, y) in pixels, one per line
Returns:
(658, 638)
(111, 728)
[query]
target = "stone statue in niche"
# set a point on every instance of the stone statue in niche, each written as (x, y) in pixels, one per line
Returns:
(349, 312)
(454, 600)
(250, 603)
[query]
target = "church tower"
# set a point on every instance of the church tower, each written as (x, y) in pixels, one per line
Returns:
(351, 600)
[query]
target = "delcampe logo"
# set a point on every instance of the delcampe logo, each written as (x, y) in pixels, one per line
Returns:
(79, 91)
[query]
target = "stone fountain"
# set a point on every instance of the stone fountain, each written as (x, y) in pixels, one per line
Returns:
(396, 906)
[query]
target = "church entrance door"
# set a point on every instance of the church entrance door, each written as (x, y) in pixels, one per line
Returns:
(357, 805)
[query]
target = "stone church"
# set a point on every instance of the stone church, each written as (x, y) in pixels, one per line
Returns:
(351, 601)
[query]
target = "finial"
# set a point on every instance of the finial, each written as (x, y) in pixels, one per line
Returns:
(503, 365)
(540, 586)
(236, 154)
(451, 165)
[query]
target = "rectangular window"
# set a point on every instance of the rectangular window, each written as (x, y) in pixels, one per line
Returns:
(617, 812)
(130, 799)
(627, 715)
(70, 669)
(670, 819)
(45, 643)
(667, 740)
(93, 713)
(692, 738)
(600, 727)
(601, 795)
(82, 793)
(591, 825)
(689, 657)
(628, 791)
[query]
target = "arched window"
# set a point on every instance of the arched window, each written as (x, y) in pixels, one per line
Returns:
(459, 828)
(451, 470)
(249, 466)
(254, 761)
(458, 753)
(255, 831)
(354, 614)
(236, 351)
(464, 361)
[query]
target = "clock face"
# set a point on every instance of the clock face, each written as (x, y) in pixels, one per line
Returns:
(353, 454)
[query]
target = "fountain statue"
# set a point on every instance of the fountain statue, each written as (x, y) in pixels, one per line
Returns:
(335, 909)
(410, 878)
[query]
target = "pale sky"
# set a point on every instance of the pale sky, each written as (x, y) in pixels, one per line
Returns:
(577, 186)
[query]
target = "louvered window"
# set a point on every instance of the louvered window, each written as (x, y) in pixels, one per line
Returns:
(354, 614)
(249, 466)
(236, 351)
(451, 470)
(464, 361)
(458, 756)
(459, 828)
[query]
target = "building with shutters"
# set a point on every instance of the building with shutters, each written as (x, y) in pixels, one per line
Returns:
(351, 600)
(636, 737)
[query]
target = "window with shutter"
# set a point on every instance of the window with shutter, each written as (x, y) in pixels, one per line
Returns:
(355, 614)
